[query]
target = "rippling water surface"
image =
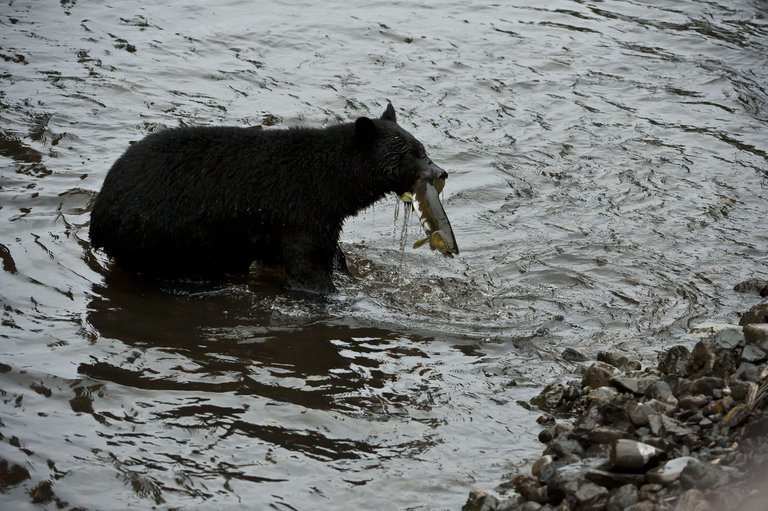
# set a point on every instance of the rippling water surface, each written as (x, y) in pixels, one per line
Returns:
(608, 189)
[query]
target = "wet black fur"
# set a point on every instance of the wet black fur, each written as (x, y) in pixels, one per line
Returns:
(208, 201)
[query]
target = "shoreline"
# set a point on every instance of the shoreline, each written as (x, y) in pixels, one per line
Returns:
(688, 433)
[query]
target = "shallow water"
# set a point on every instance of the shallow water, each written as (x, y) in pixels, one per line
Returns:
(608, 189)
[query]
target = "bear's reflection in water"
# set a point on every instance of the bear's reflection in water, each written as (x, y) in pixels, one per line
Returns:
(232, 346)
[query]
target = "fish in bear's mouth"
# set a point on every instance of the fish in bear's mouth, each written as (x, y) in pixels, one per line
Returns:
(424, 197)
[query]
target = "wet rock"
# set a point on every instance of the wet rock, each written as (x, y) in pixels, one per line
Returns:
(605, 435)
(740, 389)
(598, 375)
(635, 385)
(563, 448)
(618, 361)
(669, 471)
(757, 314)
(706, 385)
(541, 463)
(674, 360)
(638, 414)
(603, 394)
(694, 402)
(480, 501)
(698, 474)
(757, 334)
(611, 480)
(590, 496)
(736, 415)
(692, 500)
(752, 353)
(661, 391)
(752, 286)
(631, 455)
(747, 371)
(550, 397)
(622, 498)
(42, 493)
(572, 355)
(700, 362)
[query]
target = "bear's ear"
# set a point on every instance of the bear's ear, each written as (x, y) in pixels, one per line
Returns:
(389, 114)
(365, 131)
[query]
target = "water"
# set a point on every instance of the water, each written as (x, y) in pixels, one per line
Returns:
(608, 190)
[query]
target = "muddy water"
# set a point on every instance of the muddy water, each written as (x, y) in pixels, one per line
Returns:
(608, 189)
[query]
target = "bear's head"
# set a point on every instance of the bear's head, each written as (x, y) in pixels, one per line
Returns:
(399, 159)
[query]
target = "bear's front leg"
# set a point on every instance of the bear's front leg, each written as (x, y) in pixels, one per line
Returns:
(308, 263)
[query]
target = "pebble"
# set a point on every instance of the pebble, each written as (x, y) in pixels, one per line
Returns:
(671, 437)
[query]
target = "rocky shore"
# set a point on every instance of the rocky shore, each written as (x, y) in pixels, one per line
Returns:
(688, 433)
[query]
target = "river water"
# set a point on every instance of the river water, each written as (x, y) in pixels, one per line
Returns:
(608, 187)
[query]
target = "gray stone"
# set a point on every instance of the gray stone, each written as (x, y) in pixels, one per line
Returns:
(632, 455)
(597, 375)
(622, 498)
(590, 496)
(752, 353)
(668, 472)
(697, 474)
(563, 447)
(605, 435)
(706, 385)
(696, 402)
(635, 385)
(638, 414)
(692, 500)
(757, 314)
(740, 389)
(614, 479)
(602, 394)
(729, 339)
(645, 505)
(662, 391)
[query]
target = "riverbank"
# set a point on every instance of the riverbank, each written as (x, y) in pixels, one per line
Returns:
(687, 433)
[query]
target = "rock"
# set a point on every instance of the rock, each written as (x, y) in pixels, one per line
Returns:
(736, 416)
(729, 339)
(605, 435)
(692, 500)
(645, 505)
(706, 385)
(747, 371)
(602, 394)
(529, 487)
(757, 334)
(661, 391)
(563, 447)
(622, 498)
(614, 479)
(632, 455)
(674, 360)
(480, 501)
(752, 353)
(757, 314)
(597, 375)
(638, 414)
(572, 355)
(528, 506)
(590, 496)
(700, 362)
(618, 361)
(740, 389)
(541, 463)
(635, 385)
(695, 403)
(550, 397)
(668, 472)
(752, 286)
(697, 474)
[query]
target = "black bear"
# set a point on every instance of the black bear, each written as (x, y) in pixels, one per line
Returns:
(208, 201)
